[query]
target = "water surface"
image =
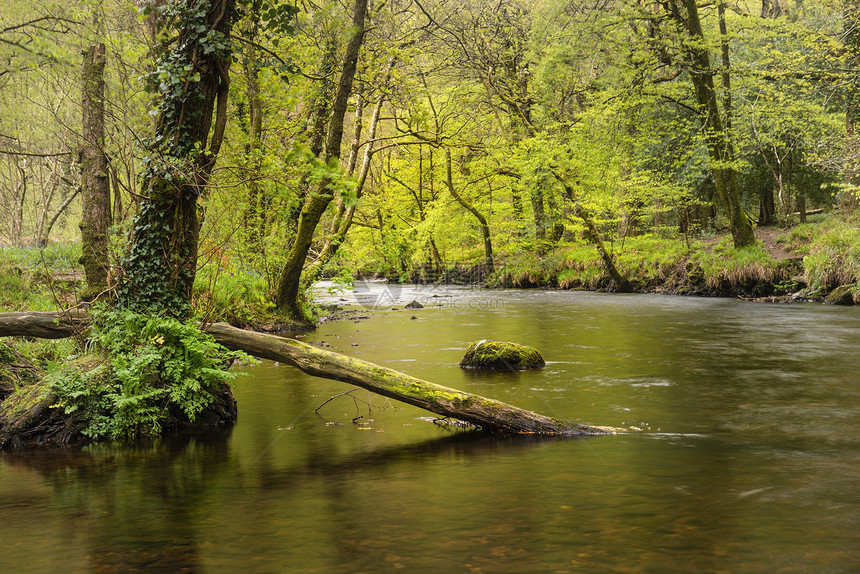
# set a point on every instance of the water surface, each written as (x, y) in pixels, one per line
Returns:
(748, 459)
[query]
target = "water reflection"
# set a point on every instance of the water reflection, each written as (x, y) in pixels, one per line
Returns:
(749, 462)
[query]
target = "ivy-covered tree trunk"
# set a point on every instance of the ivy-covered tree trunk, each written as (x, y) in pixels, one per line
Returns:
(96, 214)
(318, 200)
(193, 81)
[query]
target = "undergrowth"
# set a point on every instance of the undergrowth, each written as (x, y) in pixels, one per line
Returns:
(28, 276)
(151, 370)
(833, 256)
(229, 294)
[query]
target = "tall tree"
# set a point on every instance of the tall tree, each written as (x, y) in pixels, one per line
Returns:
(851, 34)
(318, 200)
(192, 76)
(482, 221)
(96, 214)
(697, 60)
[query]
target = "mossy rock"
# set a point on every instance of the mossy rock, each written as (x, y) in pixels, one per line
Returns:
(501, 356)
(842, 295)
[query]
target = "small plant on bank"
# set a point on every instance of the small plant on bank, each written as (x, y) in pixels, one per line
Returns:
(834, 257)
(726, 266)
(155, 370)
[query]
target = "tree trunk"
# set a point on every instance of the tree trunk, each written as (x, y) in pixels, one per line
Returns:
(290, 279)
(539, 216)
(851, 32)
(592, 234)
(95, 183)
(720, 149)
(767, 207)
(346, 212)
(255, 212)
(489, 414)
(485, 227)
(162, 259)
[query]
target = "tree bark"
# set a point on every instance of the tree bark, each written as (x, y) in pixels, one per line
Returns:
(721, 152)
(485, 227)
(43, 324)
(488, 414)
(289, 282)
(95, 183)
(162, 259)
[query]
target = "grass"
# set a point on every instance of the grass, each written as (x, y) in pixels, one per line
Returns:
(646, 261)
(830, 250)
(833, 256)
(39, 279)
(726, 268)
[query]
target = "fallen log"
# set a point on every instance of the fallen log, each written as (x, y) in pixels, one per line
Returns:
(488, 414)
(43, 324)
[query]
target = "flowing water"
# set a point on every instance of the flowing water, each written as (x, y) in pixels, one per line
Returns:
(747, 458)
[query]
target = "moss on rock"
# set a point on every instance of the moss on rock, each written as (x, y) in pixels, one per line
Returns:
(842, 295)
(502, 356)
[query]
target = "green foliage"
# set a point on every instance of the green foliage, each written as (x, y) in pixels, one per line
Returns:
(38, 279)
(224, 292)
(834, 256)
(724, 266)
(157, 369)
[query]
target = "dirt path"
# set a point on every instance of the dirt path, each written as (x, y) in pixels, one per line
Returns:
(767, 236)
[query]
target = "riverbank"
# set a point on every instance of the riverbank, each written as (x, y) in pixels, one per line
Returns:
(810, 262)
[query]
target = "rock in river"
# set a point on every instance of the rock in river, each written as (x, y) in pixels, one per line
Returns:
(501, 356)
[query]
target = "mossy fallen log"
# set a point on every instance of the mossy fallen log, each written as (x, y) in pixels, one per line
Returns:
(488, 414)
(43, 325)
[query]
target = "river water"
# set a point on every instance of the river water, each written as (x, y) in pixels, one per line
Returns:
(747, 457)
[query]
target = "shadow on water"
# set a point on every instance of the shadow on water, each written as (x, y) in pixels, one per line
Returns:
(137, 507)
(752, 465)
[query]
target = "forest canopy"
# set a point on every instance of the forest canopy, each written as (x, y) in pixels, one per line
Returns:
(277, 143)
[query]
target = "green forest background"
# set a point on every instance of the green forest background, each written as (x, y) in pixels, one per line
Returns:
(602, 144)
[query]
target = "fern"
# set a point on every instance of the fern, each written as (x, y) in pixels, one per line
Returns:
(155, 366)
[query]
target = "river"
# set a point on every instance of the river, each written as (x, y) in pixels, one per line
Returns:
(743, 453)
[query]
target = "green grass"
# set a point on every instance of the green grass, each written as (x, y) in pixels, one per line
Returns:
(725, 267)
(28, 277)
(833, 256)
(57, 257)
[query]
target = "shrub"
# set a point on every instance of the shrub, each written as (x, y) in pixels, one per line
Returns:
(154, 369)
